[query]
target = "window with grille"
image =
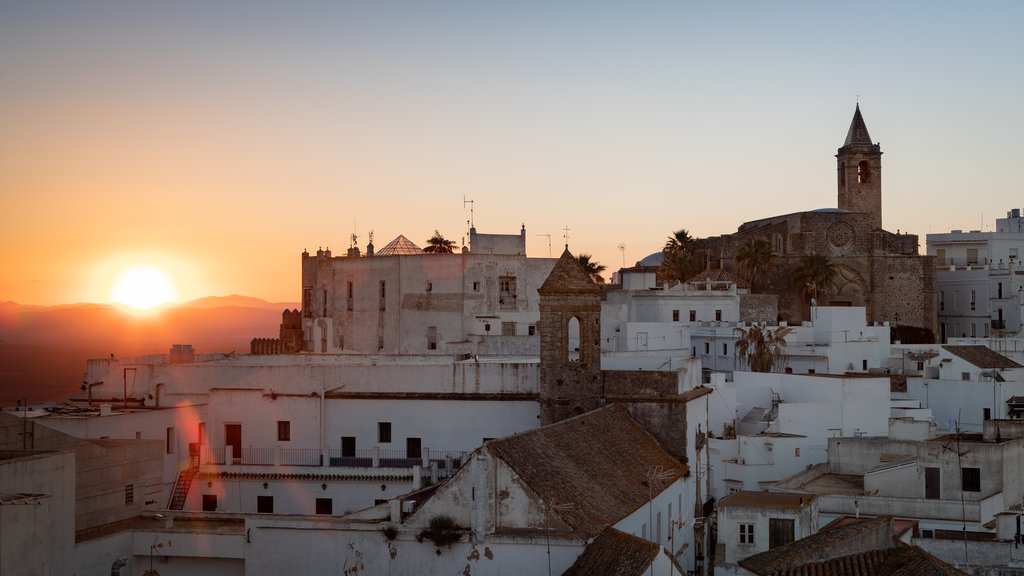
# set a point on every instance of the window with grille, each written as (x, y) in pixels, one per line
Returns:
(284, 431)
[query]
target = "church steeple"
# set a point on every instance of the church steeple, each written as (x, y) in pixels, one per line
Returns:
(858, 133)
(860, 172)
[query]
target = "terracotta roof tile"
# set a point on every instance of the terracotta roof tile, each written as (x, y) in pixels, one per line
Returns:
(982, 357)
(615, 553)
(775, 500)
(597, 462)
(811, 556)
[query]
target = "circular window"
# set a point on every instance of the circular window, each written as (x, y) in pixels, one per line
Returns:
(840, 235)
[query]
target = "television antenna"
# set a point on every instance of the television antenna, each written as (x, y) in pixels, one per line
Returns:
(622, 248)
(547, 524)
(472, 222)
(548, 235)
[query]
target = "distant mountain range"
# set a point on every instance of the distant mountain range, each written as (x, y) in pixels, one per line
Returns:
(43, 349)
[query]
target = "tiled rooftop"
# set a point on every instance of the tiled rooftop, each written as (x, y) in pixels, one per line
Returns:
(775, 500)
(597, 462)
(617, 553)
(813, 555)
(981, 357)
(849, 484)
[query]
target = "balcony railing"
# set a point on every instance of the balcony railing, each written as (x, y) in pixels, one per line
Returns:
(445, 461)
(999, 324)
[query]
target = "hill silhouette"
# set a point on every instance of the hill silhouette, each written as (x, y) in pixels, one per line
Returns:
(43, 349)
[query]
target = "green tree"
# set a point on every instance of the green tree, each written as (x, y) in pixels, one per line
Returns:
(592, 267)
(438, 244)
(754, 259)
(814, 275)
(680, 258)
(762, 347)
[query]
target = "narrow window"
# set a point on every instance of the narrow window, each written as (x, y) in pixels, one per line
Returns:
(209, 502)
(942, 300)
(864, 365)
(973, 299)
(430, 286)
(971, 478)
(432, 338)
(693, 315)
(940, 257)
(324, 315)
(986, 413)
(675, 315)
(170, 440)
(796, 452)
(384, 432)
(707, 348)
(864, 172)
(284, 430)
(265, 504)
(972, 256)
(129, 494)
(725, 349)
(307, 302)
(325, 506)
(476, 286)
(718, 315)
(383, 295)
(350, 298)
(531, 330)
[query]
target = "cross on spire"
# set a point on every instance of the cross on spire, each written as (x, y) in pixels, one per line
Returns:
(566, 235)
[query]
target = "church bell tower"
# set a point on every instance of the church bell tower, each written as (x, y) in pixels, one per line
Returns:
(860, 172)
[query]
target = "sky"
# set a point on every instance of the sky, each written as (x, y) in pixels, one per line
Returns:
(218, 140)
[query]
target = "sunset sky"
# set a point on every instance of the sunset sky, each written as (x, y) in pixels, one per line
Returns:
(217, 140)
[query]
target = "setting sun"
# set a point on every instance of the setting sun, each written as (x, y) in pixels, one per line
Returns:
(143, 287)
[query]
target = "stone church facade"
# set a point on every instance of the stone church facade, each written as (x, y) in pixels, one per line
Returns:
(879, 270)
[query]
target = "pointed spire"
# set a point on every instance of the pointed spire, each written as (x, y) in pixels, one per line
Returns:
(858, 133)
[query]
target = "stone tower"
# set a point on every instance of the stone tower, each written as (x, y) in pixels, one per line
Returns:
(570, 342)
(860, 172)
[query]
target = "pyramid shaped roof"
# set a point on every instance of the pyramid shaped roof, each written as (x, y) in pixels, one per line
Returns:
(858, 133)
(399, 246)
(568, 277)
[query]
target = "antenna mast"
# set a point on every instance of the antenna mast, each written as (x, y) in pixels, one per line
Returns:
(472, 223)
(549, 242)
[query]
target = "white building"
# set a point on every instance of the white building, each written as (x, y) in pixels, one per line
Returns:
(979, 279)
(837, 340)
(965, 386)
(948, 482)
(780, 423)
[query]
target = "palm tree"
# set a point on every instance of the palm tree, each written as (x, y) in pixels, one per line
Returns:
(814, 275)
(762, 347)
(592, 267)
(438, 244)
(754, 259)
(679, 258)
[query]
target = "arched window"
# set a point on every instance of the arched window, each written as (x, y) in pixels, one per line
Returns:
(573, 338)
(864, 172)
